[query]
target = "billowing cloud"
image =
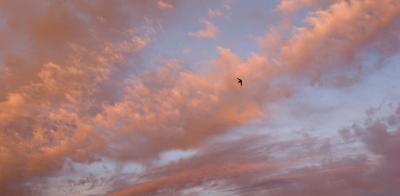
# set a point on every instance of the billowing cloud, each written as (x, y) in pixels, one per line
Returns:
(79, 90)
(165, 100)
(60, 60)
(350, 29)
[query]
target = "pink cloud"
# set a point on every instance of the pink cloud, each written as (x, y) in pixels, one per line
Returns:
(162, 4)
(338, 35)
(250, 166)
(54, 79)
(209, 31)
(68, 96)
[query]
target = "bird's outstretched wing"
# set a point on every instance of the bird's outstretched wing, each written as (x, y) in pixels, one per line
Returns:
(240, 81)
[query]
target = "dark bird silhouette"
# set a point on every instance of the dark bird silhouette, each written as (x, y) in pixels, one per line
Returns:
(240, 81)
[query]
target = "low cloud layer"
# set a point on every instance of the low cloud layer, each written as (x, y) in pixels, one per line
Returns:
(252, 166)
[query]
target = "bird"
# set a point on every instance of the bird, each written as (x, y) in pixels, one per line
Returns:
(240, 81)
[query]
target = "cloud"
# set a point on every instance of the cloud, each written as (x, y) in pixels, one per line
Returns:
(306, 55)
(271, 42)
(209, 31)
(165, 100)
(267, 165)
(59, 66)
(214, 12)
(356, 176)
(217, 162)
(162, 4)
(291, 6)
(72, 93)
(348, 28)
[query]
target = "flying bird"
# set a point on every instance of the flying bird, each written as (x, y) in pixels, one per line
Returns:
(240, 81)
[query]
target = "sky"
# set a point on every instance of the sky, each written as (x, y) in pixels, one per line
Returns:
(133, 97)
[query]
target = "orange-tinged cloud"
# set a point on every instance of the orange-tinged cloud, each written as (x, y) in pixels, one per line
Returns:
(68, 96)
(249, 166)
(337, 35)
(216, 163)
(187, 106)
(196, 176)
(162, 4)
(58, 57)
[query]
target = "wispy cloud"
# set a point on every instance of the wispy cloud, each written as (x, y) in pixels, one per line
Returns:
(210, 30)
(253, 166)
(214, 12)
(162, 4)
